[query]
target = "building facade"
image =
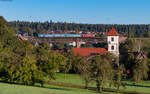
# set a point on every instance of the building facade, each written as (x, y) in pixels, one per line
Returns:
(113, 42)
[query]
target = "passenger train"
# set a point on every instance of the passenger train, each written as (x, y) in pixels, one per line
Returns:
(66, 35)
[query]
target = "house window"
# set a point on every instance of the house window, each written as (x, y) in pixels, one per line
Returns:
(112, 47)
(112, 39)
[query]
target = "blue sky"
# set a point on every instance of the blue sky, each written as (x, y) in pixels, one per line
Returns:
(79, 11)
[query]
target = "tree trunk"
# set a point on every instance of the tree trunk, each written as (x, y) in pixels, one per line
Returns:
(86, 84)
(98, 86)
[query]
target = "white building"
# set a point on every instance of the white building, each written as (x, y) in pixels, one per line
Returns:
(75, 43)
(113, 42)
(71, 44)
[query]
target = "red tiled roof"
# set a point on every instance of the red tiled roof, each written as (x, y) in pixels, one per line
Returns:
(112, 32)
(89, 51)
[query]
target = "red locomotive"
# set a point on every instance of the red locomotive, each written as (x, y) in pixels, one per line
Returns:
(88, 35)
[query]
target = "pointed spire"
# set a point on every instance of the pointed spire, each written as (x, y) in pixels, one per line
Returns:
(112, 32)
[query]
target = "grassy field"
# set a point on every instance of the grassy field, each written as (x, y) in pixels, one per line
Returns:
(48, 89)
(76, 80)
(69, 78)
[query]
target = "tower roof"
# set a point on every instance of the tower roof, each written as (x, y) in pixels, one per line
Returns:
(112, 32)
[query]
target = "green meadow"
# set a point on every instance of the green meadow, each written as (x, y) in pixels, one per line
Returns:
(74, 79)
(47, 89)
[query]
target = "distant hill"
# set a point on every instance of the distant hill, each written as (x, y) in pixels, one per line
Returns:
(133, 30)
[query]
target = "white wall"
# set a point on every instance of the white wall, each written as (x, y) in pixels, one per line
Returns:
(114, 43)
(116, 39)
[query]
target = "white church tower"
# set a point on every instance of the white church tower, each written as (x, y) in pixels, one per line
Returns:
(113, 42)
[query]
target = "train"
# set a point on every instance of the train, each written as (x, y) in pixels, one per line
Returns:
(66, 35)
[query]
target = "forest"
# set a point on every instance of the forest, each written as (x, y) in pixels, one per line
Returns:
(32, 28)
(23, 63)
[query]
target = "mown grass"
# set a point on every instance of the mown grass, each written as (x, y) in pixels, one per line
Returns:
(47, 89)
(68, 78)
(77, 80)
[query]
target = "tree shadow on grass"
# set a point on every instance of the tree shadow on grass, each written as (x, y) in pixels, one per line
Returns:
(131, 93)
(55, 88)
(47, 87)
(137, 85)
(132, 84)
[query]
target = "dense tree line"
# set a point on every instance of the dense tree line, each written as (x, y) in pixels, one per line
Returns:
(104, 71)
(135, 54)
(136, 45)
(20, 62)
(32, 28)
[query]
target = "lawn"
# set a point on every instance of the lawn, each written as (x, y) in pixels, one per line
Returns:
(48, 89)
(77, 80)
(69, 78)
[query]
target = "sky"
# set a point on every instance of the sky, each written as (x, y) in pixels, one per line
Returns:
(78, 11)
